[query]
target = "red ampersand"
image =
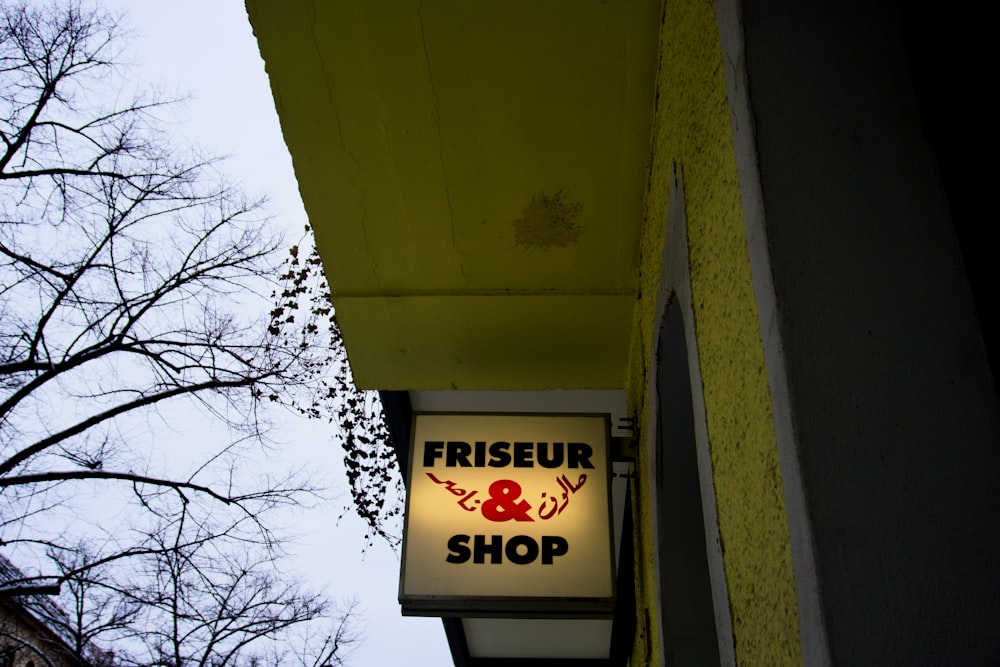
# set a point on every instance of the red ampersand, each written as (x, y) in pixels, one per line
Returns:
(503, 504)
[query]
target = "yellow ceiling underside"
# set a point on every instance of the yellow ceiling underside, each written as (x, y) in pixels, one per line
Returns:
(474, 173)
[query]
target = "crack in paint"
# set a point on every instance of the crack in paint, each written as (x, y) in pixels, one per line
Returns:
(437, 127)
(332, 97)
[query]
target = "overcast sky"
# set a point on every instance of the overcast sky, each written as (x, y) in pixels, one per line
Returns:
(206, 49)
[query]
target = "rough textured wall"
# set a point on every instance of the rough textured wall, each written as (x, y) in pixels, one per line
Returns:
(692, 133)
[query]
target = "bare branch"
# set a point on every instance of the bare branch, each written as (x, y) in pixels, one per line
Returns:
(56, 476)
(43, 444)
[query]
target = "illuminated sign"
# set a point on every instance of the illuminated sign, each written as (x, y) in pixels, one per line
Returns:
(508, 515)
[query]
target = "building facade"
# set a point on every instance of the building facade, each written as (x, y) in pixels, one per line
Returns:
(33, 630)
(750, 230)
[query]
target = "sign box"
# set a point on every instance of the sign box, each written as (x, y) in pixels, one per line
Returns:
(508, 516)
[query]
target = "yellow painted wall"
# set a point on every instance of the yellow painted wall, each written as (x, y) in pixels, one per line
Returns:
(692, 133)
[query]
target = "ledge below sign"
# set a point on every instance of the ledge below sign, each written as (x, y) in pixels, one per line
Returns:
(508, 515)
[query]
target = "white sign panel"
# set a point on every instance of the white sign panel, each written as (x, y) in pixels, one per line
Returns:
(508, 514)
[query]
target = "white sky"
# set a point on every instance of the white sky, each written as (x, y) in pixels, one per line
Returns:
(206, 49)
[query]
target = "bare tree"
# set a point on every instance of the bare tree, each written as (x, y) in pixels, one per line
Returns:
(225, 609)
(135, 290)
(201, 601)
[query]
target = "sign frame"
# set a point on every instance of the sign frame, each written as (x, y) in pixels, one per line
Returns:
(511, 606)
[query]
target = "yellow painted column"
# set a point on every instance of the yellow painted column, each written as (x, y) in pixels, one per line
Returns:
(693, 133)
